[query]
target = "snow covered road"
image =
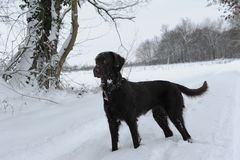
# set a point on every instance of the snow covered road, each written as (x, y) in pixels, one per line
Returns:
(76, 127)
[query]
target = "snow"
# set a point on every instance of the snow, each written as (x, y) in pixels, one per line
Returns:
(75, 127)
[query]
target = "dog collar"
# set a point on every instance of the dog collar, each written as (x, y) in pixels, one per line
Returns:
(108, 87)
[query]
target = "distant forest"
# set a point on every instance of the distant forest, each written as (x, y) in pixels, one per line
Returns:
(188, 42)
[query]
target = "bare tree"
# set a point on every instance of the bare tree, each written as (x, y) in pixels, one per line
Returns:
(38, 60)
(188, 42)
(146, 51)
(232, 6)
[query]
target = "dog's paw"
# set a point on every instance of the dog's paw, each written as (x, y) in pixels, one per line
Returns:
(190, 140)
(168, 135)
(136, 145)
(114, 149)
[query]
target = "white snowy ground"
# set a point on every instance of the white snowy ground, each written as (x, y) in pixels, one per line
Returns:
(76, 128)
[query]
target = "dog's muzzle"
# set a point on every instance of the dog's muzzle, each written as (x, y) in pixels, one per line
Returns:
(96, 72)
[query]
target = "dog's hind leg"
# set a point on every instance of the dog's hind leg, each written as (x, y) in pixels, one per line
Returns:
(178, 121)
(160, 116)
(174, 108)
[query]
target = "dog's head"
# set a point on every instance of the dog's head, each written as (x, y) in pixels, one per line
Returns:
(108, 65)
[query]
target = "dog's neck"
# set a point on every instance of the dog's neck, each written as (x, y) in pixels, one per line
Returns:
(110, 85)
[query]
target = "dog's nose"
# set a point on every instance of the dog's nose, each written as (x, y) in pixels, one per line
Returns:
(96, 71)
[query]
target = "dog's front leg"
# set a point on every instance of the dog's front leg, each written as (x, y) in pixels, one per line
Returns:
(114, 127)
(132, 124)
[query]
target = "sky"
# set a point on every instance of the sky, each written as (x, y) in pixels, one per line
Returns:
(95, 35)
(146, 25)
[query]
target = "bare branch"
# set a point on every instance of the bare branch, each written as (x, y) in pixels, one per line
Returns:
(64, 13)
(124, 7)
(33, 97)
(107, 9)
(114, 12)
(11, 28)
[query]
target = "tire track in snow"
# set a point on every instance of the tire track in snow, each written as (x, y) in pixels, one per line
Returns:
(224, 86)
(236, 134)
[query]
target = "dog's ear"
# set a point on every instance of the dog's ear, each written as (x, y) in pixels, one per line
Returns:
(118, 61)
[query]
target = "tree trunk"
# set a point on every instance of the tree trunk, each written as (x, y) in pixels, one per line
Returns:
(69, 43)
(38, 62)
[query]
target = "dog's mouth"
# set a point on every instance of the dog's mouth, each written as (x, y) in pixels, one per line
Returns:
(96, 73)
(99, 73)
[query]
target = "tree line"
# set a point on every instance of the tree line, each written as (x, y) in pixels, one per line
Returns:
(188, 42)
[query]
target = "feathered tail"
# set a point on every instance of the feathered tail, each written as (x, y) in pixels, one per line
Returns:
(193, 92)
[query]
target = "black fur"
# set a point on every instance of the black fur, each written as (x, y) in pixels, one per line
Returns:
(126, 101)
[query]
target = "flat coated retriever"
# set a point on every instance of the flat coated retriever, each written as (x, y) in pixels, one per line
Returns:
(126, 101)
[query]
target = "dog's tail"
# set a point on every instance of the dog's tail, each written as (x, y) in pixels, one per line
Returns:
(193, 92)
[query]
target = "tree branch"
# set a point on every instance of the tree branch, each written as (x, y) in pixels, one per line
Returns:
(108, 9)
(64, 13)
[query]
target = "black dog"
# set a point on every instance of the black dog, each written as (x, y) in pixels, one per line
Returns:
(125, 100)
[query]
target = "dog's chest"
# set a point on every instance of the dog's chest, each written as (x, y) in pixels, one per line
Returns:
(117, 112)
(116, 106)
